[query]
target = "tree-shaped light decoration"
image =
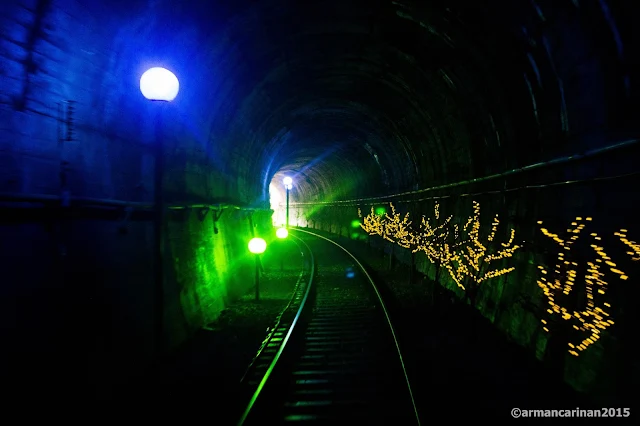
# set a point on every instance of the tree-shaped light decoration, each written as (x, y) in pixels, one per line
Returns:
(398, 229)
(373, 224)
(470, 260)
(431, 238)
(595, 316)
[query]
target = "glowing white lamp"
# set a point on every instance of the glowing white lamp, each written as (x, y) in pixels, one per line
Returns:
(159, 84)
(288, 182)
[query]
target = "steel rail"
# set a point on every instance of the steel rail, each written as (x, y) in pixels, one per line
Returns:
(386, 314)
(272, 366)
(278, 320)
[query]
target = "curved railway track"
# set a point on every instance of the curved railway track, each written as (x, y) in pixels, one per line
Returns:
(333, 355)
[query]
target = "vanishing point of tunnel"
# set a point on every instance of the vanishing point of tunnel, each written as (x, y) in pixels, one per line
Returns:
(480, 156)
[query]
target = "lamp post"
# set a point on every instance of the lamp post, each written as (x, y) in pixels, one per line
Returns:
(282, 233)
(257, 246)
(160, 86)
(288, 183)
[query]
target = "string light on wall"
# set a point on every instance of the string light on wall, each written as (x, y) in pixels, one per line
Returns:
(373, 224)
(595, 317)
(635, 247)
(398, 229)
(463, 256)
(470, 261)
(466, 257)
(393, 228)
(431, 239)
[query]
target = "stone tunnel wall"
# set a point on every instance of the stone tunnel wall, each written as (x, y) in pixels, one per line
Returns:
(72, 121)
(211, 265)
(85, 286)
(514, 302)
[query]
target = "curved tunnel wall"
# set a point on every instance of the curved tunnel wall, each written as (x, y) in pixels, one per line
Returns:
(570, 95)
(356, 99)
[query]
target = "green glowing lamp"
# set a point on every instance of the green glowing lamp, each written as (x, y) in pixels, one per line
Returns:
(355, 224)
(380, 211)
(257, 245)
(282, 233)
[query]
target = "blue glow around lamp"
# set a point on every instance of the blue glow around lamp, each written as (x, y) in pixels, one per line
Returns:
(159, 84)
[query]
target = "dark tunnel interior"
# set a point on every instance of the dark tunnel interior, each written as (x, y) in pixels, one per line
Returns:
(525, 109)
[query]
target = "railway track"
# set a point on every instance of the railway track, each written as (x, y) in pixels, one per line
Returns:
(333, 355)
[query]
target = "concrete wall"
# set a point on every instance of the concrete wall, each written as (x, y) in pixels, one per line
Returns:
(514, 302)
(211, 265)
(577, 104)
(72, 122)
(78, 296)
(77, 284)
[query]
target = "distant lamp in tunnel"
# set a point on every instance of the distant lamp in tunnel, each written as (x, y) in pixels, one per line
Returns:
(288, 184)
(160, 86)
(257, 246)
(282, 233)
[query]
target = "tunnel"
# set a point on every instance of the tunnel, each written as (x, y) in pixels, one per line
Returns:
(125, 221)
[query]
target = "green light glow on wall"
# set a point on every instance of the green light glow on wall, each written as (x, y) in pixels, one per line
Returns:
(257, 245)
(380, 211)
(222, 262)
(355, 224)
(202, 268)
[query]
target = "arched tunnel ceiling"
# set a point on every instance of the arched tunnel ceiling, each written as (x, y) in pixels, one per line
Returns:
(359, 89)
(367, 97)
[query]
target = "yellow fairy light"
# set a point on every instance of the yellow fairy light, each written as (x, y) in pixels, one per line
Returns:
(466, 258)
(458, 249)
(593, 318)
(373, 224)
(397, 229)
(635, 247)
